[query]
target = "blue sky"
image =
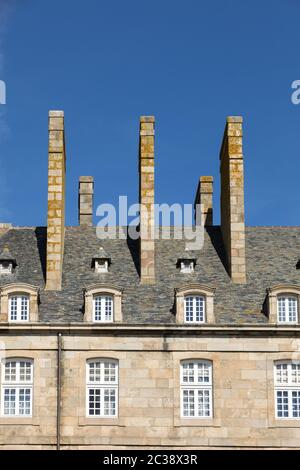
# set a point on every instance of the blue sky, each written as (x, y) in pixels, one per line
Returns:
(189, 63)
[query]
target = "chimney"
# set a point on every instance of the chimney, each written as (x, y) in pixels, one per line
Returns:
(232, 198)
(56, 201)
(146, 199)
(204, 197)
(85, 201)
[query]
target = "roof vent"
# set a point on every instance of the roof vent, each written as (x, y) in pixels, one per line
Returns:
(7, 262)
(101, 261)
(186, 262)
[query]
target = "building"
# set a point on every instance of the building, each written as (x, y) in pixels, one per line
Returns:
(141, 344)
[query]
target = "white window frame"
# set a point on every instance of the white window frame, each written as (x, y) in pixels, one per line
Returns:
(286, 298)
(16, 385)
(103, 300)
(288, 387)
(196, 387)
(19, 299)
(102, 386)
(194, 298)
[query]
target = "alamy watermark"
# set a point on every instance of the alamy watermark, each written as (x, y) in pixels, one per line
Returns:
(295, 97)
(2, 92)
(159, 221)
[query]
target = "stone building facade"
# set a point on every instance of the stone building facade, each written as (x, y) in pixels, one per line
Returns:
(142, 344)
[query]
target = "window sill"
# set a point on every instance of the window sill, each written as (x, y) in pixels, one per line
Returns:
(84, 421)
(197, 422)
(18, 421)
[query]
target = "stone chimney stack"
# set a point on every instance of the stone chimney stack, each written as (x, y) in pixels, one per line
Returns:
(85, 201)
(146, 199)
(204, 197)
(232, 198)
(56, 201)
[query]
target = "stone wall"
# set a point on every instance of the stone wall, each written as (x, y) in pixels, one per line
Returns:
(149, 417)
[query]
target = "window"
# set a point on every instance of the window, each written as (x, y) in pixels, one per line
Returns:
(19, 308)
(194, 309)
(102, 388)
(103, 308)
(287, 309)
(19, 302)
(196, 389)
(17, 386)
(103, 303)
(195, 304)
(287, 389)
(283, 301)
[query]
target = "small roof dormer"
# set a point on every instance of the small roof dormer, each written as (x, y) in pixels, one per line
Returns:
(7, 261)
(101, 261)
(186, 262)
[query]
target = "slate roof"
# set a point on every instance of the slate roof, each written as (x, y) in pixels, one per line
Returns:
(272, 254)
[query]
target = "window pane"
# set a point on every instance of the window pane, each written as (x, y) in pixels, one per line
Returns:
(24, 308)
(203, 403)
(94, 402)
(295, 373)
(188, 403)
(13, 308)
(10, 371)
(281, 373)
(95, 371)
(109, 372)
(25, 371)
(109, 402)
(97, 309)
(203, 372)
(292, 306)
(24, 401)
(199, 309)
(189, 309)
(188, 374)
(108, 308)
(296, 403)
(282, 404)
(10, 401)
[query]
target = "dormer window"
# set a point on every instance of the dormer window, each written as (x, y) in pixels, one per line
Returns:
(101, 261)
(283, 301)
(287, 309)
(103, 304)
(186, 263)
(103, 308)
(194, 304)
(19, 303)
(7, 262)
(194, 309)
(19, 308)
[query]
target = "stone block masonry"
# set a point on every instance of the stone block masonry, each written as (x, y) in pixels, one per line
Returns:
(56, 200)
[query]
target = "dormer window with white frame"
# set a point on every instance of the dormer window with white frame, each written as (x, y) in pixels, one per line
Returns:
(18, 308)
(103, 308)
(194, 309)
(283, 302)
(101, 261)
(103, 304)
(19, 303)
(7, 262)
(194, 304)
